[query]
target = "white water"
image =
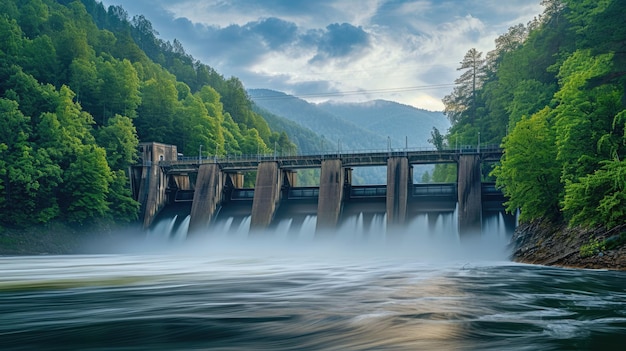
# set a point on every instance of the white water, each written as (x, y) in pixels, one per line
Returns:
(427, 237)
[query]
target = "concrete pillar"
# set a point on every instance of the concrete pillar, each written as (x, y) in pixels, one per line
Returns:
(182, 181)
(330, 194)
(154, 183)
(398, 182)
(290, 178)
(266, 195)
(236, 179)
(469, 194)
(206, 197)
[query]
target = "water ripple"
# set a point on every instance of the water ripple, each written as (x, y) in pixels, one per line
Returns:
(164, 302)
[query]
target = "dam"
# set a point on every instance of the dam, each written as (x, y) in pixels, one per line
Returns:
(212, 188)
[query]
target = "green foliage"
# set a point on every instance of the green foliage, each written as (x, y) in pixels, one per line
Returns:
(86, 185)
(553, 95)
(122, 207)
(594, 247)
(119, 139)
(79, 85)
(528, 173)
(598, 198)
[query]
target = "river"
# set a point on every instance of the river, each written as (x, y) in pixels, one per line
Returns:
(260, 293)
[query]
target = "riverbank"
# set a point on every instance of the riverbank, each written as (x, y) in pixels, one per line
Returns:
(57, 238)
(546, 243)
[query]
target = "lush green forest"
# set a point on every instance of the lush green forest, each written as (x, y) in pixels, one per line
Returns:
(80, 86)
(553, 94)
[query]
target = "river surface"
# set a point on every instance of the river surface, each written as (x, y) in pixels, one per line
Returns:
(318, 295)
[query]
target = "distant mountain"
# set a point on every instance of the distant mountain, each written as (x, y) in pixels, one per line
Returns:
(334, 129)
(306, 140)
(355, 125)
(403, 124)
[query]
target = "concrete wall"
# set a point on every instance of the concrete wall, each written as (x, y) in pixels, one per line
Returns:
(290, 178)
(330, 195)
(398, 185)
(182, 181)
(236, 179)
(469, 195)
(266, 195)
(153, 182)
(206, 197)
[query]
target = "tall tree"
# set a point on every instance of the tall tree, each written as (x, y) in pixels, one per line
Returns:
(462, 103)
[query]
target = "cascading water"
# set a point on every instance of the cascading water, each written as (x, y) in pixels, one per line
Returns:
(427, 235)
(181, 232)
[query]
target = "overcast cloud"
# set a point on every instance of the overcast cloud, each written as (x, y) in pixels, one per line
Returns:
(400, 50)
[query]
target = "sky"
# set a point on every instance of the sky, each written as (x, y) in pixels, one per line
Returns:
(406, 51)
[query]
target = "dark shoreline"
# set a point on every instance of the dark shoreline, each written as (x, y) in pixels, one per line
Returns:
(545, 243)
(60, 239)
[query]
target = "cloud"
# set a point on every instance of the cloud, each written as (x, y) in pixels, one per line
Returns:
(340, 41)
(306, 47)
(275, 32)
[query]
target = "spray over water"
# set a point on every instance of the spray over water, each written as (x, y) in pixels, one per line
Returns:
(427, 237)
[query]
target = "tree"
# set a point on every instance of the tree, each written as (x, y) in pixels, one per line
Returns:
(39, 59)
(156, 114)
(528, 174)
(85, 81)
(86, 185)
(436, 139)
(583, 115)
(27, 177)
(119, 89)
(122, 206)
(598, 199)
(119, 139)
(462, 103)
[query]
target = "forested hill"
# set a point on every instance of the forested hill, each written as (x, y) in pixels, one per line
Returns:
(403, 124)
(340, 133)
(80, 85)
(553, 92)
(367, 125)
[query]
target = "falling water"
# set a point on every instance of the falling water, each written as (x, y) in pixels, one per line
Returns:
(181, 232)
(162, 230)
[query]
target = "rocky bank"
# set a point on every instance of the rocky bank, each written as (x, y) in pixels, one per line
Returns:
(545, 243)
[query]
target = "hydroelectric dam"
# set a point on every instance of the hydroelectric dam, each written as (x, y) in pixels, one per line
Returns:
(211, 187)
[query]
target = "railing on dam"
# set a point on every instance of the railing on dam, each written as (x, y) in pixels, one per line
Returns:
(351, 158)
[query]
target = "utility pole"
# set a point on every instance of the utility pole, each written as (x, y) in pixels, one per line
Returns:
(200, 155)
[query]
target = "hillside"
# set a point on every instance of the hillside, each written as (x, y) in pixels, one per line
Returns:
(349, 135)
(305, 140)
(358, 125)
(402, 123)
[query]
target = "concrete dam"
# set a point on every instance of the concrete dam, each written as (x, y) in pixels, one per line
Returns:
(210, 188)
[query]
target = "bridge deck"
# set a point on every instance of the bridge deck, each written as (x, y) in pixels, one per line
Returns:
(348, 159)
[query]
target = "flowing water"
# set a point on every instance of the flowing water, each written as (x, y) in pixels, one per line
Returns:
(417, 289)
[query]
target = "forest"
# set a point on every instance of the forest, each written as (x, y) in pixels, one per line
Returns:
(552, 93)
(80, 86)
